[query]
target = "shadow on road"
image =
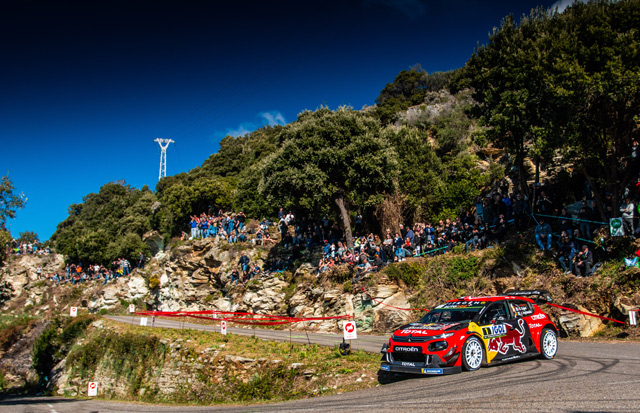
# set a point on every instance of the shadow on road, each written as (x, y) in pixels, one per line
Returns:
(385, 377)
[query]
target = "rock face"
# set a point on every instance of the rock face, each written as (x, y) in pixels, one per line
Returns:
(578, 324)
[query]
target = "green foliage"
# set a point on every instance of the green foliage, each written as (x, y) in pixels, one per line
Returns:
(462, 267)
(132, 357)
(10, 202)
(346, 287)
(408, 89)
(55, 341)
(27, 237)
(409, 273)
(12, 328)
(107, 225)
(564, 84)
(329, 158)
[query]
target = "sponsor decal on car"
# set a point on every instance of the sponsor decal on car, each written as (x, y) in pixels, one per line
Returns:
(431, 371)
(407, 349)
(385, 367)
(535, 325)
(502, 344)
(408, 364)
(498, 330)
(425, 329)
(521, 309)
(511, 358)
(538, 316)
(461, 304)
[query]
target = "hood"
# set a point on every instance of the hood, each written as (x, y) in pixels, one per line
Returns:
(425, 330)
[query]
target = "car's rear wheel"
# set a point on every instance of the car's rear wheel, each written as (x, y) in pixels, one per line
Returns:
(472, 354)
(548, 343)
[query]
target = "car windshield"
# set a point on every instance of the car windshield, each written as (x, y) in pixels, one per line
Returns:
(451, 315)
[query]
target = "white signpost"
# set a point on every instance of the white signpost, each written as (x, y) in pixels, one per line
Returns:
(350, 330)
(93, 389)
(132, 308)
(633, 317)
(73, 312)
(223, 327)
(143, 321)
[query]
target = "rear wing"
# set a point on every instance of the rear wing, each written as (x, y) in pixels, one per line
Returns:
(539, 296)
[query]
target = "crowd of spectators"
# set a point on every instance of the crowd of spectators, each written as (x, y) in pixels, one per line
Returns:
(567, 235)
(24, 248)
(79, 274)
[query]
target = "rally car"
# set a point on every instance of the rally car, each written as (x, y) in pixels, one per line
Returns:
(471, 332)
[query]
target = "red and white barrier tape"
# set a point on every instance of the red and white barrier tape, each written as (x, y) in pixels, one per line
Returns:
(240, 317)
(391, 306)
(585, 313)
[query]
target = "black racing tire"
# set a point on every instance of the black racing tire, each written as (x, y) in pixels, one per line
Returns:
(548, 343)
(472, 354)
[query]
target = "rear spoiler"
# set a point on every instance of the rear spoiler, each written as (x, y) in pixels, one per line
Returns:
(539, 296)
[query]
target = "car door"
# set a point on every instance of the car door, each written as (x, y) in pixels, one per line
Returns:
(503, 331)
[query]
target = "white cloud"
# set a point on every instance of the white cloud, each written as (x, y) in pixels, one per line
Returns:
(561, 5)
(241, 130)
(270, 118)
(273, 118)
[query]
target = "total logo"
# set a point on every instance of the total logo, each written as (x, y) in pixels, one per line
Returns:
(538, 316)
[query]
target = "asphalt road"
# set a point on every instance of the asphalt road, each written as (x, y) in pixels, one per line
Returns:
(584, 377)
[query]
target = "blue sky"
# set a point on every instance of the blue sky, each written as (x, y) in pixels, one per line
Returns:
(88, 85)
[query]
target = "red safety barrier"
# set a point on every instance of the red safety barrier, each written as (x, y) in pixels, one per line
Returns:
(387, 305)
(239, 317)
(585, 313)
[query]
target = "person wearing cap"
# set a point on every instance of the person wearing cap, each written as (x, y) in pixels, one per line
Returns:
(585, 262)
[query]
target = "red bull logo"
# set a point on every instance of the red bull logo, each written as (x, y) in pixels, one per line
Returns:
(512, 339)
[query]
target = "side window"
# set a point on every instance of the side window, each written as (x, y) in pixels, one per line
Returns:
(495, 313)
(521, 308)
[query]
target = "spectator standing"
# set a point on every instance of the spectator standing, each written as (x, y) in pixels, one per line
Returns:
(627, 215)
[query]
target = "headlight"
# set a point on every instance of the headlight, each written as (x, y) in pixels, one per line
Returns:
(441, 336)
(438, 346)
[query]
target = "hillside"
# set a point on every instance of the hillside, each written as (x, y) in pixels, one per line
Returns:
(196, 276)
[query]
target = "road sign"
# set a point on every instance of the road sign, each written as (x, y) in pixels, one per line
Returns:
(93, 389)
(143, 321)
(73, 312)
(132, 308)
(615, 226)
(350, 330)
(223, 327)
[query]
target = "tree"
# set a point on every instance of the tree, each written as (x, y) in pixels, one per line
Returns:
(326, 158)
(565, 84)
(27, 237)
(407, 89)
(10, 203)
(510, 83)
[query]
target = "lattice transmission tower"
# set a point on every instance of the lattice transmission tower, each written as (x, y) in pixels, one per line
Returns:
(164, 144)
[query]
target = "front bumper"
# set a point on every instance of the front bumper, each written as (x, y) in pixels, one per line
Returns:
(417, 368)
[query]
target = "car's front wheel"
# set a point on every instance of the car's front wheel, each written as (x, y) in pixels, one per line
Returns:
(548, 343)
(472, 354)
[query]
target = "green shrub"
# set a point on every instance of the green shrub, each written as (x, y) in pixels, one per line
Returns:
(409, 273)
